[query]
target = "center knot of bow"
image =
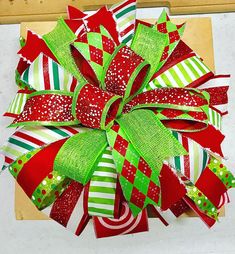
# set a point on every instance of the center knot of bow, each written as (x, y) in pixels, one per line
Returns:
(98, 103)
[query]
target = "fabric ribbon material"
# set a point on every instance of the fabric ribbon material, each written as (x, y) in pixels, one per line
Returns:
(79, 155)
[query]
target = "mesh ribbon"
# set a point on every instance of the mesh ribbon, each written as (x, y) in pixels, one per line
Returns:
(58, 41)
(152, 54)
(150, 138)
(78, 156)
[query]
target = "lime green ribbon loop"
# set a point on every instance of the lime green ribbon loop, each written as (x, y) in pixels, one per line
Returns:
(156, 42)
(59, 40)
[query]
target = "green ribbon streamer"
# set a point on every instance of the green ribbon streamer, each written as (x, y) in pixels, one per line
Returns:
(58, 41)
(80, 154)
(201, 201)
(156, 42)
(153, 141)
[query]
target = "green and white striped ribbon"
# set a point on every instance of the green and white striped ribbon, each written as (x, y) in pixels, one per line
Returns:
(215, 118)
(17, 105)
(180, 75)
(102, 190)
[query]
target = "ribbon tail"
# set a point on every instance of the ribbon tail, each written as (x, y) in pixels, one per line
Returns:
(140, 184)
(34, 173)
(68, 210)
(104, 191)
(28, 139)
(126, 224)
(172, 189)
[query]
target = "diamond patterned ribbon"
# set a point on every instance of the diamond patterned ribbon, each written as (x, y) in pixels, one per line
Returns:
(94, 50)
(174, 33)
(140, 184)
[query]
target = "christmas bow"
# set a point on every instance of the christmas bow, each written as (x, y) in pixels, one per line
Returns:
(80, 74)
(108, 80)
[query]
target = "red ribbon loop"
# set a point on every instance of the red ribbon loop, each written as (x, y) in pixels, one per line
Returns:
(49, 108)
(95, 108)
(125, 73)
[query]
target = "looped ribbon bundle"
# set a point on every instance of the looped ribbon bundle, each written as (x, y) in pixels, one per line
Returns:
(129, 134)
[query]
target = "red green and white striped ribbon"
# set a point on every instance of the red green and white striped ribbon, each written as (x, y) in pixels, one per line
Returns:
(194, 163)
(30, 138)
(182, 74)
(125, 16)
(46, 74)
(103, 186)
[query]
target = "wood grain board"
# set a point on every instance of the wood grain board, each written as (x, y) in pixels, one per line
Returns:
(198, 35)
(16, 11)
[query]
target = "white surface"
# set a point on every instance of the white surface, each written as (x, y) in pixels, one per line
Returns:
(183, 236)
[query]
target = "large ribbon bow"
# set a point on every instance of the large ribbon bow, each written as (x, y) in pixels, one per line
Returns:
(109, 98)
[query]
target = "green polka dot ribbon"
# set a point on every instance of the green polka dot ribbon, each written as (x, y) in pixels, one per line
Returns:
(48, 189)
(197, 196)
(203, 203)
(221, 171)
